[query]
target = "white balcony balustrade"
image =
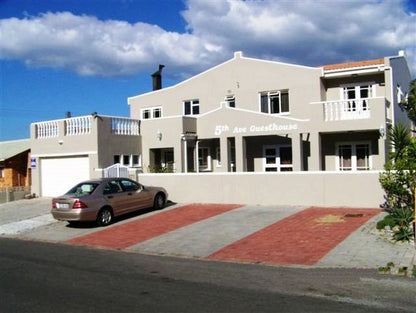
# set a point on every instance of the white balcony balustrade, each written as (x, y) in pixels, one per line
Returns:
(125, 126)
(86, 125)
(352, 109)
(78, 126)
(49, 129)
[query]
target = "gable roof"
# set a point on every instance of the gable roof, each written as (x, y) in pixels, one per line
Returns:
(9, 149)
(356, 64)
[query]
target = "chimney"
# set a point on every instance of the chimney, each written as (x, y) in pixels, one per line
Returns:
(157, 78)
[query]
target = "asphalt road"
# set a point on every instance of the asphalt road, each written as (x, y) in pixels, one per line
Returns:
(45, 277)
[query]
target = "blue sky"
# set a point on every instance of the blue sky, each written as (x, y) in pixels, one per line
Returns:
(88, 56)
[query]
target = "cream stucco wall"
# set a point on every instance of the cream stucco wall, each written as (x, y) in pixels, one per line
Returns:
(307, 188)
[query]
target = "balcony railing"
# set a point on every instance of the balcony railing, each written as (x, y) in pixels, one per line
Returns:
(78, 126)
(125, 126)
(352, 109)
(84, 125)
(49, 129)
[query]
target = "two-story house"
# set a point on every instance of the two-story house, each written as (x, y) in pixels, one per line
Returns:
(245, 121)
(250, 115)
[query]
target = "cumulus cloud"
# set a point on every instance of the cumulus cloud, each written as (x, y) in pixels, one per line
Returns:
(89, 46)
(305, 32)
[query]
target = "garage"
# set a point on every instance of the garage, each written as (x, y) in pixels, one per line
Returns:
(58, 175)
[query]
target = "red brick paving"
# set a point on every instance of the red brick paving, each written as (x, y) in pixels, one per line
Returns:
(303, 238)
(128, 234)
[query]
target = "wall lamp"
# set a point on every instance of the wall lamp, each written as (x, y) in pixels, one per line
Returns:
(382, 131)
(159, 135)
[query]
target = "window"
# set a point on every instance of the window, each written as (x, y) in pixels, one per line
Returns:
(136, 161)
(353, 157)
(274, 102)
(126, 160)
(150, 113)
(230, 101)
(112, 187)
(191, 107)
(204, 159)
(128, 185)
(218, 156)
(278, 158)
(82, 189)
(1, 172)
(357, 97)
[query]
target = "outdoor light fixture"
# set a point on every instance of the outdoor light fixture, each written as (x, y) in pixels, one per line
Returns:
(159, 135)
(381, 131)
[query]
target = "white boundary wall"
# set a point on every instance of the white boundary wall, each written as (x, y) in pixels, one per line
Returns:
(345, 189)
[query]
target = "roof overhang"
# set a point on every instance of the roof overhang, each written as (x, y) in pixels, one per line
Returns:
(344, 72)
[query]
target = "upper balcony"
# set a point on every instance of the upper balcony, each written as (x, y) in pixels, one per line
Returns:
(363, 113)
(85, 125)
(83, 134)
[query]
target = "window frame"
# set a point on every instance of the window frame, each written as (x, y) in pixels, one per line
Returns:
(151, 111)
(354, 164)
(277, 157)
(274, 94)
(193, 105)
(134, 160)
(230, 100)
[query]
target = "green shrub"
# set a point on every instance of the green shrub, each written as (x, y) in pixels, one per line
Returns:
(403, 217)
(387, 221)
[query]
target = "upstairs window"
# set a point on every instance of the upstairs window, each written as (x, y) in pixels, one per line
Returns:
(274, 102)
(150, 113)
(191, 107)
(230, 101)
(356, 96)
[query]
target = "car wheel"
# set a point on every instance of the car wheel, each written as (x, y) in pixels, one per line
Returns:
(159, 201)
(104, 217)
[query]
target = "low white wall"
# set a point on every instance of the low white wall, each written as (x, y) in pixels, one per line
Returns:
(346, 189)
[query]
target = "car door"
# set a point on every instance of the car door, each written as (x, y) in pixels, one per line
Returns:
(137, 197)
(116, 197)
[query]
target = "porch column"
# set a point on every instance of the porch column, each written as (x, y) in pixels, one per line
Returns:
(184, 156)
(316, 152)
(382, 152)
(297, 152)
(224, 154)
(240, 154)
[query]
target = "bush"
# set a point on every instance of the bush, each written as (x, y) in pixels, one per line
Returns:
(387, 221)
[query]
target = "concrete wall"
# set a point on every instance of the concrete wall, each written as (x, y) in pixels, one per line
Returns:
(346, 189)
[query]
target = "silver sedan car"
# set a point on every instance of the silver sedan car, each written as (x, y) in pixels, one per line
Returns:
(102, 199)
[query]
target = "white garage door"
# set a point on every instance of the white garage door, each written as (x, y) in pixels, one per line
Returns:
(58, 175)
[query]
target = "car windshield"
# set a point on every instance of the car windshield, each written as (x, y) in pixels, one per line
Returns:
(82, 189)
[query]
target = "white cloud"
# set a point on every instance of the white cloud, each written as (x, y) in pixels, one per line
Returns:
(89, 46)
(310, 32)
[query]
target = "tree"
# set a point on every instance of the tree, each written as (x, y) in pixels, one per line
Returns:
(409, 103)
(399, 178)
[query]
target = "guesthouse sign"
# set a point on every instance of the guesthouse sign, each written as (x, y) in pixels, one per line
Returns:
(273, 127)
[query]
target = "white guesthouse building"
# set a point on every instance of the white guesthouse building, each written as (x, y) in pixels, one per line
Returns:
(245, 131)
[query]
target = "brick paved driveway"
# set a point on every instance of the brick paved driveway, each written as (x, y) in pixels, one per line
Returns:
(236, 233)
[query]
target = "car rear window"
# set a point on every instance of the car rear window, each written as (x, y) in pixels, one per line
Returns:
(83, 189)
